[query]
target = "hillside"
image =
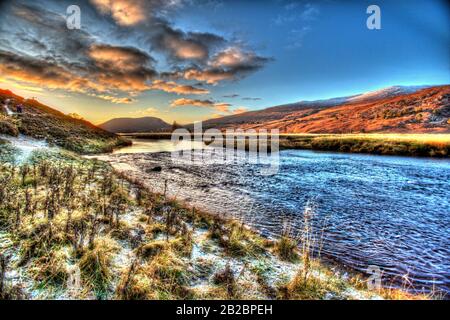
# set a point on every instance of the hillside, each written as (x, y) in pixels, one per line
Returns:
(42, 122)
(135, 125)
(395, 109)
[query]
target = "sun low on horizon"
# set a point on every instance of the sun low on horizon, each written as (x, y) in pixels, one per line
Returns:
(188, 61)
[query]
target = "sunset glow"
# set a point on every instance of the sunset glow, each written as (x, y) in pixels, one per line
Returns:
(182, 61)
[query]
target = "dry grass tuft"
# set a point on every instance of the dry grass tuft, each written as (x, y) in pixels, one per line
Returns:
(51, 268)
(95, 264)
(227, 278)
(286, 248)
(164, 277)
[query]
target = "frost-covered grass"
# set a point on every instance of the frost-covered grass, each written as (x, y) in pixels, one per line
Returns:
(7, 151)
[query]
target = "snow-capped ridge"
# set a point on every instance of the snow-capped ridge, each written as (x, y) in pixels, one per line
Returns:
(367, 96)
(388, 92)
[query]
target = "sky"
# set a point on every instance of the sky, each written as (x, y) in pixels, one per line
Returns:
(192, 60)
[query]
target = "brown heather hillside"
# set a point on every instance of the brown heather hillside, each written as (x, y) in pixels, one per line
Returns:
(425, 111)
(42, 122)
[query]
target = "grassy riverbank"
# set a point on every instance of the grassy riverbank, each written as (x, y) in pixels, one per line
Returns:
(421, 145)
(425, 145)
(75, 229)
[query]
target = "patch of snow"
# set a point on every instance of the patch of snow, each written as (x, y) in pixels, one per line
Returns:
(15, 276)
(278, 270)
(123, 258)
(74, 287)
(368, 96)
(25, 145)
(385, 93)
(131, 217)
(8, 111)
(355, 294)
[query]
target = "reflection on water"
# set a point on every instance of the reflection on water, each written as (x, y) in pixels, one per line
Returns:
(392, 212)
(145, 145)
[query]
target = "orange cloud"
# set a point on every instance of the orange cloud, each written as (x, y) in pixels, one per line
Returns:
(48, 75)
(124, 12)
(121, 58)
(173, 87)
(231, 57)
(100, 80)
(222, 107)
(208, 76)
(229, 64)
(185, 49)
(240, 110)
(192, 102)
(113, 68)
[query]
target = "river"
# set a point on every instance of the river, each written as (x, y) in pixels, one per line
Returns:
(383, 211)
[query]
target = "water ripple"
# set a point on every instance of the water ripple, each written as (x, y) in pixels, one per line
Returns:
(393, 212)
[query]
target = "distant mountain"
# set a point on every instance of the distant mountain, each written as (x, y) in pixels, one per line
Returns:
(43, 122)
(393, 109)
(389, 92)
(135, 125)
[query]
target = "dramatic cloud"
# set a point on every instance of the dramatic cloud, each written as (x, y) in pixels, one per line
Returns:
(210, 76)
(118, 57)
(234, 95)
(179, 45)
(251, 99)
(222, 107)
(73, 61)
(124, 59)
(96, 76)
(44, 73)
(45, 33)
(173, 87)
(125, 12)
(238, 61)
(70, 60)
(232, 57)
(111, 68)
(176, 44)
(132, 12)
(122, 68)
(229, 64)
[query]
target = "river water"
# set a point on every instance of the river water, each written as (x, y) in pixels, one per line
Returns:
(383, 211)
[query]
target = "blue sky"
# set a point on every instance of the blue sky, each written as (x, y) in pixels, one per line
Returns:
(265, 53)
